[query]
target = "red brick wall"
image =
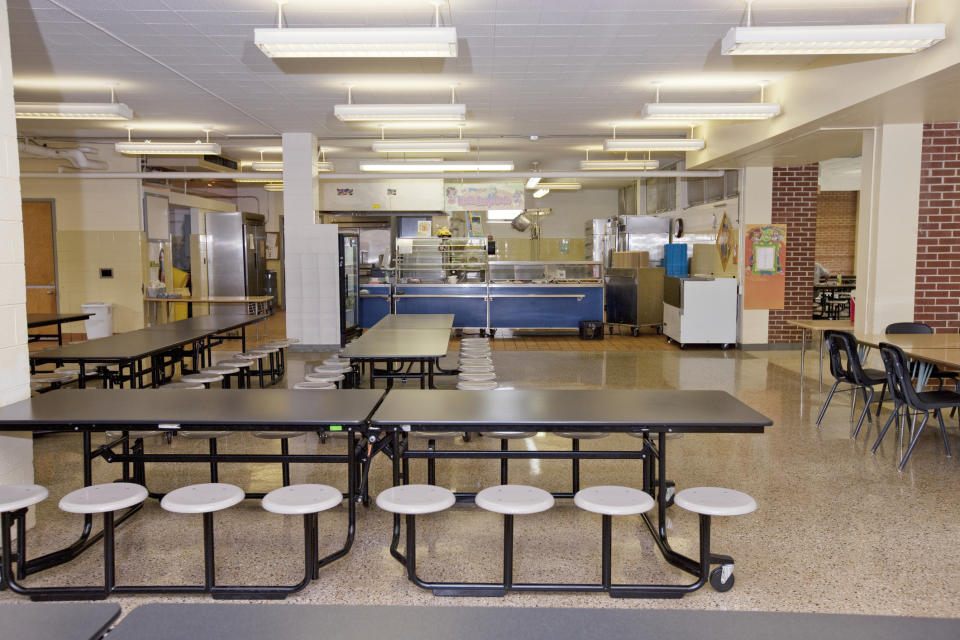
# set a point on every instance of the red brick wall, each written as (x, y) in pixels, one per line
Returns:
(837, 231)
(795, 205)
(937, 297)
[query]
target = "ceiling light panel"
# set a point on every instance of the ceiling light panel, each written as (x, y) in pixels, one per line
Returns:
(421, 146)
(267, 165)
(833, 40)
(73, 111)
(434, 167)
(653, 144)
(533, 182)
(399, 42)
(168, 148)
(539, 193)
(710, 110)
(273, 186)
(400, 112)
(619, 165)
(560, 186)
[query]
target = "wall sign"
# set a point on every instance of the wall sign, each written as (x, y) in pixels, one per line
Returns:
(764, 278)
(482, 196)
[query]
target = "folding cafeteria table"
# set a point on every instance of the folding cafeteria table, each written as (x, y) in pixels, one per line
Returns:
(416, 321)
(651, 413)
(36, 320)
(88, 411)
(404, 340)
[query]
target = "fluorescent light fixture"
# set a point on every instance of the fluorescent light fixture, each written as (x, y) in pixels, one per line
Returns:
(539, 193)
(653, 144)
(267, 165)
(561, 186)
(323, 167)
(619, 165)
(833, 40)
(533, 182)
(259, 180)
(73, 111)
(710, 110)
(147, 147)
(502, 215)
(273, 186)
(434, 167)
(400, 112)
(421, 146)
(394, 42)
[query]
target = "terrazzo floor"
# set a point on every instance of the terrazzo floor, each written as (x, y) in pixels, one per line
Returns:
(837, 530)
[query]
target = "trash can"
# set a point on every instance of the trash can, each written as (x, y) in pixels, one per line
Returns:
(591, 330)
(270, 286)
(100, 324)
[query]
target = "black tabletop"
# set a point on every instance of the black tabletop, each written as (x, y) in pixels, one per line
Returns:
(45, 319)
(416, 321)
(399, 343)
(337, 622)
(242, 409)
(210, 323)
(63, 621)
(614, 409)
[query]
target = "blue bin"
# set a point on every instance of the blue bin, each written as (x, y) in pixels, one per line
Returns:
(675, 260)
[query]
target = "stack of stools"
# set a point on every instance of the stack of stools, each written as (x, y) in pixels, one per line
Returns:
(341, 374)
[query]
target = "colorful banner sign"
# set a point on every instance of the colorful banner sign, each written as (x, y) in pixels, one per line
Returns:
(765, 254)
(482, 196)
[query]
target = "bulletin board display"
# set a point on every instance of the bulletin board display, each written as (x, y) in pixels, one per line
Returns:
(764, 278)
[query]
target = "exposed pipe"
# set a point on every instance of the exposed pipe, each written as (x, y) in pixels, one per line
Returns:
(76, 157)
(339, 177)
(155, 175)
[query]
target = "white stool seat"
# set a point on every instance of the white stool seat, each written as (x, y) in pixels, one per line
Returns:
(475, 347)
(670, 436)
(205, 378)
(715, 501)
(333, 368)
(221, 369)
(279, 344)
(136, 435)
(514, 499)
(182, 385)
(239, 363)
(484, 376)
(580, 435)
(19, 496)
(298, 499)
(435, 435)
(489, 385)
(74, 369)
(475, 355)
(249, 355)
(475, 340)
(323, 377)
(103, 498)
(336, 360)
(50, 378)
(613, 501)
(265, 349)
(476, 368)
(508, 435)
(202, 498)
(278, 435)
(415, 499)
(204, 435)
(314, 385)
(469, 362)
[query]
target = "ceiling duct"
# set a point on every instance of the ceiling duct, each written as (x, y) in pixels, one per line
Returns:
(77, 157)
(193, 163)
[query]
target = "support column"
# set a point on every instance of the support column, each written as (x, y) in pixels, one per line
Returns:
(756, 204)
(16, 450)
(887, 226)
(312, 258)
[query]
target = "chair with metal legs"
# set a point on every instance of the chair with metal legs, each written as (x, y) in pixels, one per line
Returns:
(916, 328)
(846, 368)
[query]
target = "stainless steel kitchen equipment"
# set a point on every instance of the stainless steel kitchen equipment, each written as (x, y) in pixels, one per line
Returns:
(236, 262)
(644, 233)
(635, 297)
(600, 240)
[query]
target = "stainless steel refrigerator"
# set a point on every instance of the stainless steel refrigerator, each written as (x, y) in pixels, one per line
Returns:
(349, 286)
(644, 233)
(236, 257)
(600, 240)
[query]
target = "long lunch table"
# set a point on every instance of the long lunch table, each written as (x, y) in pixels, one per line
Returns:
(401, 342)
(93, 410)
(651, 413)
(164, 345)
(256, 305)
(37, 320)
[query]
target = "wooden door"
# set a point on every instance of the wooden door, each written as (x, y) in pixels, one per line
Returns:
(40, 260)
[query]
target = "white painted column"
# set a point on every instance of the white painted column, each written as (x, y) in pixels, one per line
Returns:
(312, 258)
(16, 450)
(887, 226)
(756, 204)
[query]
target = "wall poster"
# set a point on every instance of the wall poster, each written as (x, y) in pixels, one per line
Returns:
(482, 196)
(764, 277)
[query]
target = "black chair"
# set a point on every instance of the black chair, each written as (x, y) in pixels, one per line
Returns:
(914, 328)
(905, 396)
(846, 368)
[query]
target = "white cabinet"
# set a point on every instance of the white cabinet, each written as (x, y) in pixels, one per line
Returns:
(700, 310)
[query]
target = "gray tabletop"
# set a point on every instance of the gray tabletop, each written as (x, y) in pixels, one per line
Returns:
(609, 409)
(399, 344)
(416, 321)
(56, 621)
(338, 622)
(240, 409)
(46, 319)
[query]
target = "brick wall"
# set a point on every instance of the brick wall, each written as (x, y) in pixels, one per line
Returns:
(837, 231)
(937, 297)
(795, 205)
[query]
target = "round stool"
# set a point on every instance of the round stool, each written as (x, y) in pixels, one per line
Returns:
(336, 360)
(301, 499)
(14, 501)
(512, 500)
(476, 377)
(489, 385)
(611, 501)
(432, 437)
(324, 377)
(211, 438)
(576, 437)
(505, 437)
(14, 497)
(416, 499)
(315, 385)
(226, 371)
(476, 368)
(203, 378)
(240, 363)
(271, 353)
(252, 356)
(475, 355)
(333, 368)
(284, 438)
(469, 362)
(49, 381)
(708, 502)
(182, 385)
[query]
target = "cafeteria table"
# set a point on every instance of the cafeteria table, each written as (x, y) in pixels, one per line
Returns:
(88, 411)
(256, 305)
(415, 321)
(400, 341)
(164, 345)
(56, 621)
(36, 320)
(652, 413)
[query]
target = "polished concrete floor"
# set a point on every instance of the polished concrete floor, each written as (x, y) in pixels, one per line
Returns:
(837, 529)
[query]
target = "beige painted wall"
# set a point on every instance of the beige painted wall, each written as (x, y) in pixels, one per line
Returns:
(756, 208)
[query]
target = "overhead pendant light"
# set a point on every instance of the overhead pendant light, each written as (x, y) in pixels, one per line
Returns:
(148, 147)
(367, 42)
(652, 144)
(434, 166)
(267, 165)
(539, 193)
(559, 186)
(351, 112)
(618, 165)
(533, 182)
(112, 110)
(421, 146)
(710, 110)
(832, 40)
(273, 186)
(321, 165)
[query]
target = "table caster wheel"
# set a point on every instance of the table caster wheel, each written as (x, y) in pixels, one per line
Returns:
(635, 331)
(717, 581)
